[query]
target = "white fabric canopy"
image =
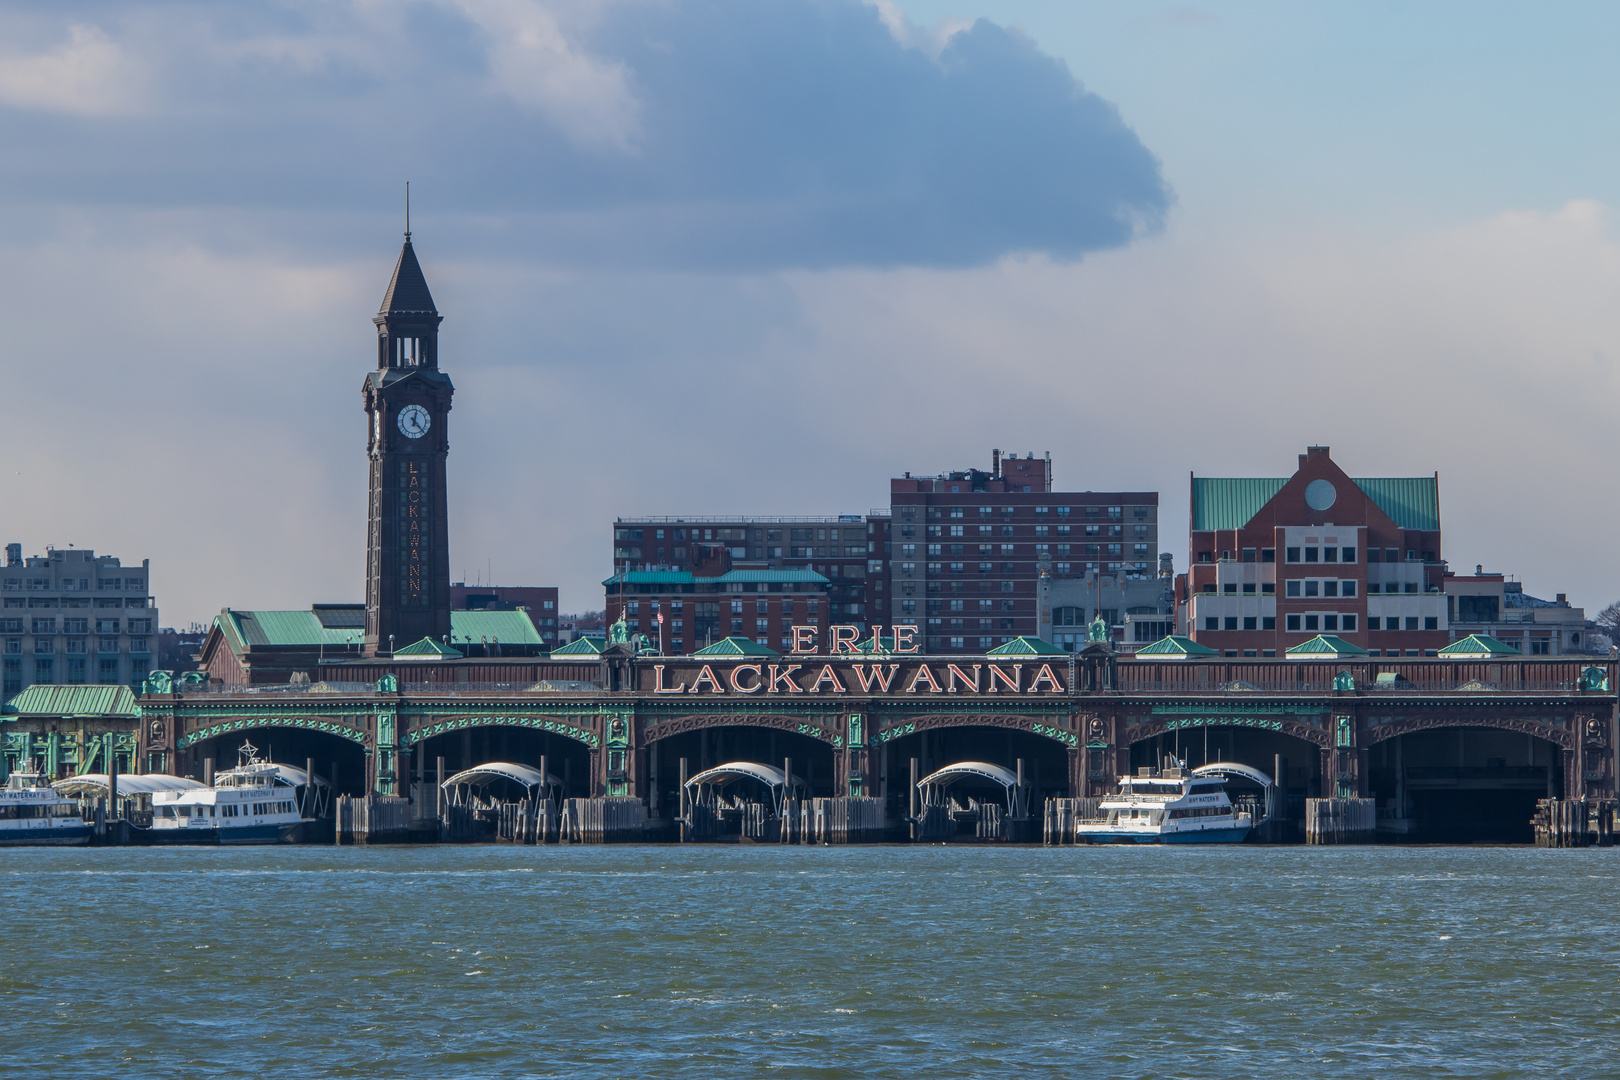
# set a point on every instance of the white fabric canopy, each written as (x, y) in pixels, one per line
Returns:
(1001, 775)
(94, 785)
(736, 770)
(501, 770)
(1232, 768)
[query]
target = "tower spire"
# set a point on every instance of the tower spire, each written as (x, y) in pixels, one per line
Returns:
(407, 211)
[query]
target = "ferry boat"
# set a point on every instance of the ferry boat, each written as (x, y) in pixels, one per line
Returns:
(254, 803)
(1168, 806)
(31, 812)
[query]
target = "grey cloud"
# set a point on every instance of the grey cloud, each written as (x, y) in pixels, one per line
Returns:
(795, 133)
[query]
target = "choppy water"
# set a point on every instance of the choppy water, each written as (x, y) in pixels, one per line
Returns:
(831, 962)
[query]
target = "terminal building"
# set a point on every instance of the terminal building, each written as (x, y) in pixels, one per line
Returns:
(71, 616)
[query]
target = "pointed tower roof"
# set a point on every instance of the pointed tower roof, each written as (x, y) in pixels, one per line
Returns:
(407, 290)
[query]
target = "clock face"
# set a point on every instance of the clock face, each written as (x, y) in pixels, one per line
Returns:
(414, 421)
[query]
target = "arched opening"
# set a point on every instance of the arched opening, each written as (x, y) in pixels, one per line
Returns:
(339, 761)
(1045, 763)
(707, 748)
(1294, 765)
(567, 759)
(1463, 785)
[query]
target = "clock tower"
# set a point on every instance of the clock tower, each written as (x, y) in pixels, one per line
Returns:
(407, 403)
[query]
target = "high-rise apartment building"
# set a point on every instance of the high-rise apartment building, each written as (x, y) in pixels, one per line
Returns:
(72, 616)
(969, 548)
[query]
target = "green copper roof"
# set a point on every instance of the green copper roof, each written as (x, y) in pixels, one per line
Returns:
(1479, 645)
(290, 628)
(1175, 646)
(1027, 646)
(74, 701)
(1326, 645)
(1223, 503)
(589, 645)
(736, 646)
(429, 648)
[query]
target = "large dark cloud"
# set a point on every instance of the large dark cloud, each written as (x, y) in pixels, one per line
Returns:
(789, 133)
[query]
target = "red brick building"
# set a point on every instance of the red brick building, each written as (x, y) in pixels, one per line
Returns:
(1274, 562)
(968, 548)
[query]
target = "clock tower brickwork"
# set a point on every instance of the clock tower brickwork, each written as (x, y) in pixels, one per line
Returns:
(407, 404)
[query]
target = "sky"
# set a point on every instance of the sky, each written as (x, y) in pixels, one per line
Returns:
(724, 256)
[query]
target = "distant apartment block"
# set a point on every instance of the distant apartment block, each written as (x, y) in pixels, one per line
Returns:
(70, 616)
(1489, 604)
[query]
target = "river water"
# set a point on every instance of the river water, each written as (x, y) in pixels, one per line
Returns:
(809, 962)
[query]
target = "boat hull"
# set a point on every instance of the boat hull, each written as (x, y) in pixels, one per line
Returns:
(1233, 835)
(71, 836)
(276, 833)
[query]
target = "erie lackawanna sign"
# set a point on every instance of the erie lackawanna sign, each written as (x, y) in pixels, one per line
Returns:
(848, 669)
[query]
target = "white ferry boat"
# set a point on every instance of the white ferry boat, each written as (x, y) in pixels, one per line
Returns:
(1168, 806)
(255, 803)
(31, 812)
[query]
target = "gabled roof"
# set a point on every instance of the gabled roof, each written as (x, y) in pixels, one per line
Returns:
(510, 627)
(1027, 645)
(736, 646)
(407, 290)
(74, 701)
(1230, 503)
(1175, 648)
(428, 649)
(1478, 645)
(1325, 647)
(589, 645)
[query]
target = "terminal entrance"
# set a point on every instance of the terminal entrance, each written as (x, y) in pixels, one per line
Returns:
(1463, 785)
(1294, 764)
(569, 760)
(811, 760)
(338, 761)
(1043, 763)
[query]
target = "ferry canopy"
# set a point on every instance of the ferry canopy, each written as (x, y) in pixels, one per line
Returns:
(739, 770)
(94, 785)
(487, 773)
(950, 773)
(1232, 768)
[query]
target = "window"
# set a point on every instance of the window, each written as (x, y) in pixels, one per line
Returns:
(956, 511)
(956, 530)
(1311, 587)
(736, 607)
(1372, 555)
(1540, 646)
(1291, 588)
(1411, 622)
(1430, 622)
(1209, 588)
(1348, 622)
(1330, 588)
(1330, 622)
(1292, 554)
(1372, 622)
(1310, 554)
(1392, 555)
(1330, 554)
(1411, 586)
(1248, 588)
(1212, 622)
(1203, 556)
(1268, 622)
(1348, 555)
(1231, 622)
(1268, 588)
(1268, 555)
(1251, 622)
(1230, 589)
(1311, 622)
(1248, 554)
(1347, 588)
(1068, 616)
(956, 643)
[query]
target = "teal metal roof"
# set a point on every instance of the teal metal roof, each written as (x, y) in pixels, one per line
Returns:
(652, 577)
(1410, 502)
(588, 645)
(1027, 646)
(1326, 645)
(290, 628)
(74, 701)
(1175, 646)
(511, 627)
(792, 575)
(1479, 645)
(1231, 503)
(736, 646)
(427, 647)
(1221, 503)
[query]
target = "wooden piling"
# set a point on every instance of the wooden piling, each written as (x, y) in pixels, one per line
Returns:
(1340, 821)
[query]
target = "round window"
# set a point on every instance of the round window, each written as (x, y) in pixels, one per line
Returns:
(1319, 494)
